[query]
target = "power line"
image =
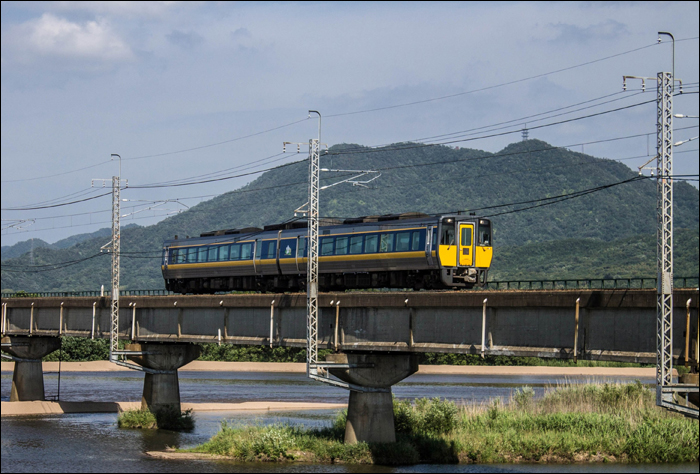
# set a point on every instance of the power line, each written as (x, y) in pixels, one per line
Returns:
(217, 143)
(413, 146)
(54, 205)
(158, 154)
(494, 86)
(529, 118)
(55, 174)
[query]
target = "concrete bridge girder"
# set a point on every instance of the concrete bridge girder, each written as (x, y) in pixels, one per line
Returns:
(614, 324)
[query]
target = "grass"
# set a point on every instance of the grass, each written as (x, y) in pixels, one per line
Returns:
(571, 423)
(164, 418)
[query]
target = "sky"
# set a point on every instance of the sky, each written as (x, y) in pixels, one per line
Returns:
(180, 90)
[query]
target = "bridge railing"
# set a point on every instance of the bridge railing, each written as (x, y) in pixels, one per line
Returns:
(572, 284)
(94, 294)
(589, 284)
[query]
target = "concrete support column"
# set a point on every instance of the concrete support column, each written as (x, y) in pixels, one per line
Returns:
(161, 388)
(28, 377)
(371, 413)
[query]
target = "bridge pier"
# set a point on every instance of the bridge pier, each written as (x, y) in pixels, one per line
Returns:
(371, 413)
(161, 388)
(28, 376)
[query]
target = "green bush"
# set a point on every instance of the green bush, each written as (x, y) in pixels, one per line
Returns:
(427, 416)
(166, 418)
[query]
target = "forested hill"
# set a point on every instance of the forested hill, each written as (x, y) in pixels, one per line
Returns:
(428, 179)
(20, 248)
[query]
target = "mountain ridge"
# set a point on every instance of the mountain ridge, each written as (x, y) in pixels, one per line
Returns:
(414, 177)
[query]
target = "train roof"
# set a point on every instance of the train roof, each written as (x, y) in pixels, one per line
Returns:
(376, 221)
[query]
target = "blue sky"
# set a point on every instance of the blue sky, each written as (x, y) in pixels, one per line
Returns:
(82, 80)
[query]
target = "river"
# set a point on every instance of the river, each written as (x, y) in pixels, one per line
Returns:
(93, 443)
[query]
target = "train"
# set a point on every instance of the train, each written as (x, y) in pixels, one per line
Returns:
(410, 250)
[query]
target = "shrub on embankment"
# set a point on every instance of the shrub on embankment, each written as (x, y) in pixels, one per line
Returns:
(81, 349)
(163, 418)
(584, 423)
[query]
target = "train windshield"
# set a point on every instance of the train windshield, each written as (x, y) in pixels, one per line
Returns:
(484, 233)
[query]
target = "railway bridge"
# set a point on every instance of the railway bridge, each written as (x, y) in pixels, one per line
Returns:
(375, 335)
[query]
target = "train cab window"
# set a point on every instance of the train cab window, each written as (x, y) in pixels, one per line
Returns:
(301, 251)
(403, 241)
(484, 233)
(371, 242)
(223, 253)
(213, 254)
(387, 243)
(448, 235)
(327, 246)
(288, 248)
(192, 255)
(246, 251)
(341, 246)
(415, 240)
(356, 244)
(466, 237)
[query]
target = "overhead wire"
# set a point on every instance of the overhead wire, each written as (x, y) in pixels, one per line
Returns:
(449, 96)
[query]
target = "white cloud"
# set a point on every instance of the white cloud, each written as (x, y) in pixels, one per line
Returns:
(52, 36)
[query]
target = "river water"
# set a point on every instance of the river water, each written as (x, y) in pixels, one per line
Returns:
(93, 443)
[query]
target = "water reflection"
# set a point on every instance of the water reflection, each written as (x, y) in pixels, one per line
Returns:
(218, 387)
(92, 442)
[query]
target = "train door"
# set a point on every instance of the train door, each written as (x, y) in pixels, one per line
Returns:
(466, 245)
(429, 245)
(301, 248)
(448, 245)
(166, 251)
(257, 250)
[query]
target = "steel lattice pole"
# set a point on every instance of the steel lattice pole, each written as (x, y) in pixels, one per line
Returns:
(312, 273)
(114, 326)
(664, 233)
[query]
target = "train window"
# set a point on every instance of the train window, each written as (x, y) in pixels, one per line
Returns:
(213, 254)
(288, 248)
(484, 233)
(371, 243)
(234, 252)
(301, 251)
(192, 255)
(202, 255)
(415, 240)
(356, 244)
(223, 253)
(434, 241)
(269, 249)
(386, 243)
(448, 235)
(403, 241)
(327, 246)
(246, 251)
(341, 246)
(466, 237)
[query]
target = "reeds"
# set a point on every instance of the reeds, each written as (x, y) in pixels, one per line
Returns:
(570, 423)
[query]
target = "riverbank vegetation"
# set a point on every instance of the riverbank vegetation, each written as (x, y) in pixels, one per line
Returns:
(163, 418)
(571, 423)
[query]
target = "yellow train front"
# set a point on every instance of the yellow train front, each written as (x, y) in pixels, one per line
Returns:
(393, 251)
